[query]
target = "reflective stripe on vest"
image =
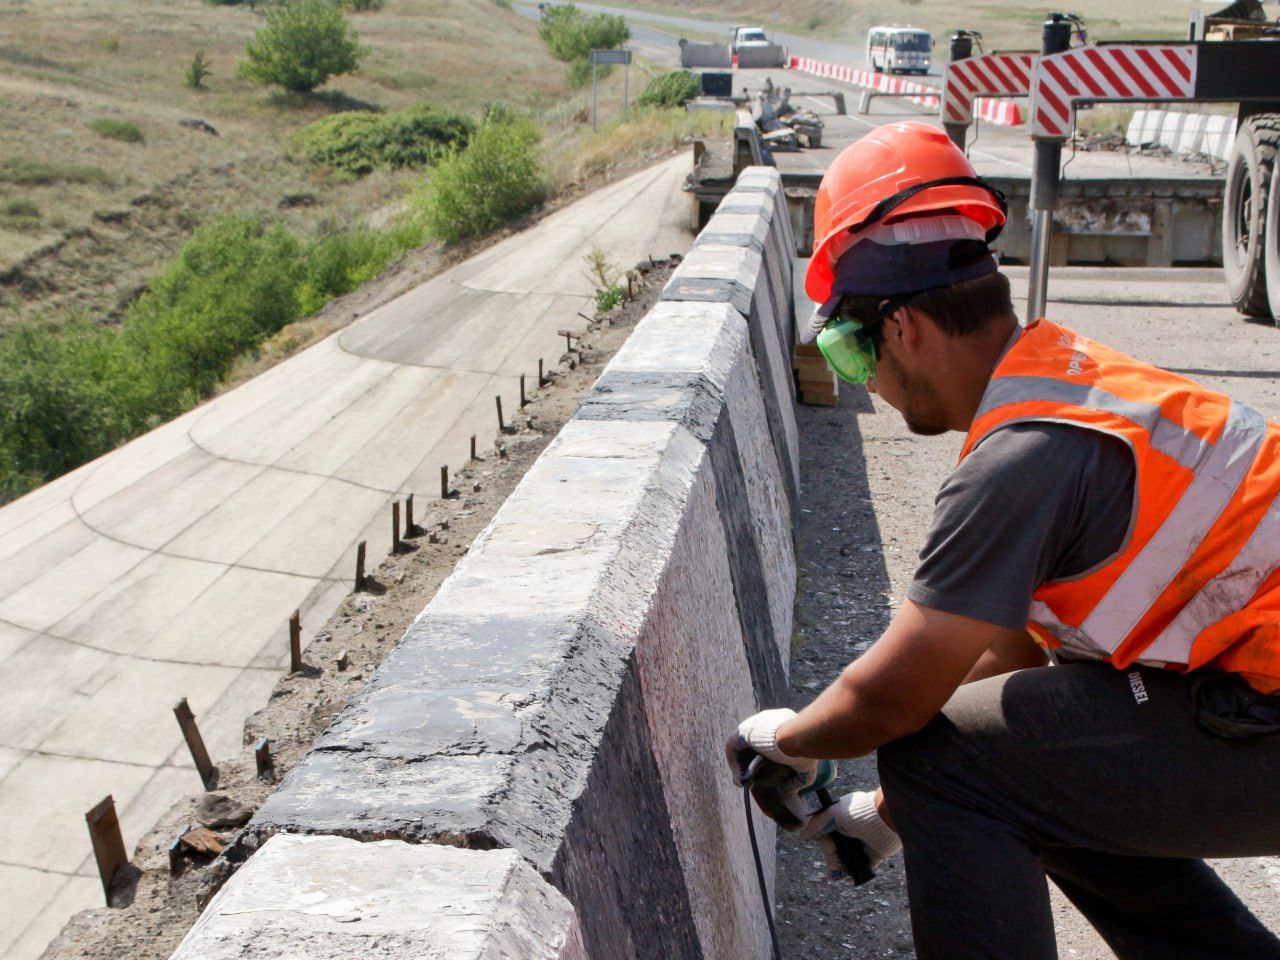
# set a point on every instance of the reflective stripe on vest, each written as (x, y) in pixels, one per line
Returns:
(1204, 544)
(1217, 478)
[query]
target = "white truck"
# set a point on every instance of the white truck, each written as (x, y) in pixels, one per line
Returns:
(753, 48)
(899, 49)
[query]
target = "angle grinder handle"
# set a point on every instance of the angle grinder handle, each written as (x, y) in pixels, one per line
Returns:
(851, 851)
(769, 782)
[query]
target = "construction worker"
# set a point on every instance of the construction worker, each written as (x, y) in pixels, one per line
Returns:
(1080, 682)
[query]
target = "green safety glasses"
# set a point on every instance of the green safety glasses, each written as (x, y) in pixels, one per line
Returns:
(848, 347)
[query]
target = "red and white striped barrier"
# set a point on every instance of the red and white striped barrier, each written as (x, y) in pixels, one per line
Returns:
(988, 75)
(1121, 72)
(993, 111)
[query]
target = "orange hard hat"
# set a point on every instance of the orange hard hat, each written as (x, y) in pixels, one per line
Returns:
(897, 171)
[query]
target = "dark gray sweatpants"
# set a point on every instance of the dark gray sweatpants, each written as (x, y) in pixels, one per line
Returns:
(1100, 780)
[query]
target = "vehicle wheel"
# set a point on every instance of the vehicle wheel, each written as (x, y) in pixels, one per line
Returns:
(1245, 215)
(1271, 248)
(876, 67)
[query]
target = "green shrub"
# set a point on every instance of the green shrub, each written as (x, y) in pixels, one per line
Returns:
(358, 142)
(604, 278)
(20, 208)
(496, 179)
(571, 35)
(343, 261)
(20, 215)
(672, 89)
(504, 4)
(304, 43)
(580, 73)
(110, 44)
(197, 71)
(37, 173)
(361, 6)
(126, 131)
(68, 397)
(342, 141)
(56, 410)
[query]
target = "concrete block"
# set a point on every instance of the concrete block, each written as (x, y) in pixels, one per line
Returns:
(1145, 127)
(327, 898)
(1171, 130)
(705, 54)
(764, 55)
(1219, 135)
(1191, 139)
(743, 279)
(739, 229)
(717, 273)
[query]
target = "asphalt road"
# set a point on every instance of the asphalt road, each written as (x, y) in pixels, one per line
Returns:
(868, 488)
(168, 568)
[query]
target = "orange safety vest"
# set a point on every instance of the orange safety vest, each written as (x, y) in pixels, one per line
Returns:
(1196, 582)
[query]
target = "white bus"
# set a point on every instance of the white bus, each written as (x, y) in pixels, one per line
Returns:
(898, 49)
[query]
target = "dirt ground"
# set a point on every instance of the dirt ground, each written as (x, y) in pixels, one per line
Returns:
(848, 589)
(160, 907)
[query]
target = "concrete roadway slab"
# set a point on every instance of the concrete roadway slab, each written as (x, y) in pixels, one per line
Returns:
(168, 568)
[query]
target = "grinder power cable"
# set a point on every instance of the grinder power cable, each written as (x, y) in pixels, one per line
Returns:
(772, 785)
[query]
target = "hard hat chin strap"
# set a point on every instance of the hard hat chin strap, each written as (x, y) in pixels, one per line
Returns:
(889, 204)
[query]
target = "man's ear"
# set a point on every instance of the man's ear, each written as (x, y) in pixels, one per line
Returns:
(910, 328)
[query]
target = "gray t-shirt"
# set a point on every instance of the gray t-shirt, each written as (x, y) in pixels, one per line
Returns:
(1034, 502)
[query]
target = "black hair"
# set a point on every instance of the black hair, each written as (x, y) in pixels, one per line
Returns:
(959, 309)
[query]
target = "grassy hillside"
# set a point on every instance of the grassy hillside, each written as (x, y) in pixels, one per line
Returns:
(1005, 26)
(89, 210)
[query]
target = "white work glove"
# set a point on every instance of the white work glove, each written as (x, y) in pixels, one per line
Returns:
(853, 815)
(759, 733)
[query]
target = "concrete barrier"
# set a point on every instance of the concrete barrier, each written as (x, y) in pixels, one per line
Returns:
(1197, 134)
(567, 692)
(749, 149)
(705, 54)
(763, 55)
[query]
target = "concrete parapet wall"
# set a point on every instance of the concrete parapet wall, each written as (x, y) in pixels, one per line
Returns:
(567, 692)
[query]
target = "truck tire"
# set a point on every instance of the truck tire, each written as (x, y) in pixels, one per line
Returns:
(1271, 248)
(1244, 213)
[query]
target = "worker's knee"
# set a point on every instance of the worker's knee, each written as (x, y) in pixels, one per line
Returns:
(924, 762)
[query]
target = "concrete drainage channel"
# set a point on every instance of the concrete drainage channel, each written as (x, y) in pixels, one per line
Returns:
(538, 763)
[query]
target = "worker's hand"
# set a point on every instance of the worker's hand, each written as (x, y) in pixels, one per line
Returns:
(853, 815)
(759, 734)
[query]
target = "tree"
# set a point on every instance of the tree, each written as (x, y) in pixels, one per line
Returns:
(571, 35)
(304, 43)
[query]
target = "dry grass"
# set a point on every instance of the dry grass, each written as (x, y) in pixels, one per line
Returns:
(66, 62)
(649, 133)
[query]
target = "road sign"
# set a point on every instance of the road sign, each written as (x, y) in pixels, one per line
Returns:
(610, 56)
(601, 58)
